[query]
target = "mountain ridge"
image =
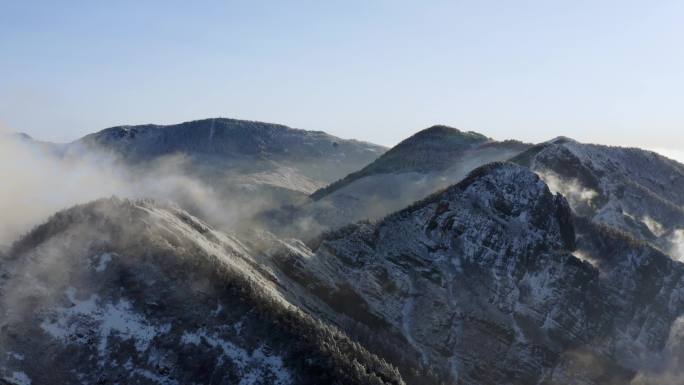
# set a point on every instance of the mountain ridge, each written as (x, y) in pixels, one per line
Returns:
(448, 140)
(146, 293)
(483, 263)
(488, 281)
(629, 189)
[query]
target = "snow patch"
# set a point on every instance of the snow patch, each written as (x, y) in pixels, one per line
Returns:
(583, 256)
(653, 226)
(154, 377)
(102, 262)
(253, 366)
(18, 378)
(105, 320)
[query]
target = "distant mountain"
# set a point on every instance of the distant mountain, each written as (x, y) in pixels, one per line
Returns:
(430, 160)
(487, 282)
(255, 147)
(135, 292)
(433, 149)
(632, 190)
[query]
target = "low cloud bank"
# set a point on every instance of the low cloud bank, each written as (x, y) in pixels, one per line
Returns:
(35, 182)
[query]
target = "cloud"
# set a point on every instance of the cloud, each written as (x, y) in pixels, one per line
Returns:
(669, 368)
(677, 244)
(576, 194)
(35, 182)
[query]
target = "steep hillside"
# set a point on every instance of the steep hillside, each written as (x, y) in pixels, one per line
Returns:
(632, 190)
(134, 292)
(433, 149)
(483, 280)
(428, 161)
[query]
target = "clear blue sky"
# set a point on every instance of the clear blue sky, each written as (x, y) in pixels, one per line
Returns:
(598, 71)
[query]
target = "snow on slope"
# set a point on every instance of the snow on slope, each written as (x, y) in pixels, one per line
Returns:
(428, 161)
(635, 191)
(136, 292)
(481, 281)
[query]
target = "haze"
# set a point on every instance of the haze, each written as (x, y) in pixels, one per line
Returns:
(608, 72)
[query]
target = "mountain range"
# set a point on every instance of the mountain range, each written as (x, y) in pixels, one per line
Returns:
(451, 258)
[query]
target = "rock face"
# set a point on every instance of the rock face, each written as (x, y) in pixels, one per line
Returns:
(632, 190)
(133, 292)
(482, 280)
(430, 160)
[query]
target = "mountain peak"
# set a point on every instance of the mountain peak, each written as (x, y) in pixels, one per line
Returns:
(440, 130)
(509, 190)
(433, 149)
(562, 140)
(22, 136)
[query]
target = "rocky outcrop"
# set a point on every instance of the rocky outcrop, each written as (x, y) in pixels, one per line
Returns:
(484, 280)
(631, 190)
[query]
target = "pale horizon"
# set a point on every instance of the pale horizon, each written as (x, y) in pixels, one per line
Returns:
(608, 73)
(675, 154)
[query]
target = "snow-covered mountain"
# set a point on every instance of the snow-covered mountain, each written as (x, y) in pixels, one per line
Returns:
(135, 292)
(487, 282)
(632, 190)
(272, 154)
(490, 281)
(430, 160)
(556, 268)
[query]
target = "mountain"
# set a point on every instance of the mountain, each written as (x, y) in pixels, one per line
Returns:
(436, 148)
(632, 190)
(430, 160)
(274, 153)
(136, 292)
(222, 170)
(491, 282)
(558, 267)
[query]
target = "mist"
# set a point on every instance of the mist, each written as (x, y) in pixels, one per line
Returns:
(578, 196)
(676, 240)
(38, 180)
(35, 183)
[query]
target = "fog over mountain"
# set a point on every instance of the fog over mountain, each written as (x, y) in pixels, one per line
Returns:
(239, 252)
(224, 169)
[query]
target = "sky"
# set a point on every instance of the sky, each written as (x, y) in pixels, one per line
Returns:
(598, 71)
